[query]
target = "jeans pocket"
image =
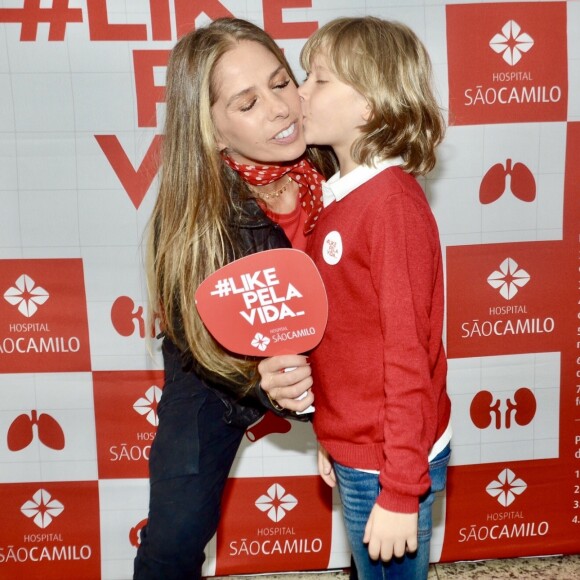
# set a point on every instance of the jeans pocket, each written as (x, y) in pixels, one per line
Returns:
(438, 469)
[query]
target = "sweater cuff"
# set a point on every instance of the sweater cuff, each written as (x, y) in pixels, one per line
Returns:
(399, 503)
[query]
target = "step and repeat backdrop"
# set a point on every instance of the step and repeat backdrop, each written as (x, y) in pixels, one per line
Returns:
(81, 114)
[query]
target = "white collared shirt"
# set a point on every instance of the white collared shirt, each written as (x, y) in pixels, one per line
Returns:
(337, 187)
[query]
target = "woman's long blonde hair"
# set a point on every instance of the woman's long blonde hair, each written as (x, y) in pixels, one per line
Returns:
(189, 233)
(386, 63)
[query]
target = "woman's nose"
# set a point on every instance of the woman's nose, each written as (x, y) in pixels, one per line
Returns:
(278, 106)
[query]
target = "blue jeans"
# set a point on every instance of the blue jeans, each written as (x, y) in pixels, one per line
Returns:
(358, 492)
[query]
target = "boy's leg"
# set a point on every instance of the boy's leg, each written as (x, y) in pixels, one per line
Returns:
(358, 491)
(438, 475)
(417, 567)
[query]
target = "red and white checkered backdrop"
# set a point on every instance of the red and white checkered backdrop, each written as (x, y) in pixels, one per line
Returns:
(81, 108)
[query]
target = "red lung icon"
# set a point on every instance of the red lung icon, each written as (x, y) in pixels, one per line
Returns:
(20, 432)
(484, 410)
(124, 315)
(493, 184)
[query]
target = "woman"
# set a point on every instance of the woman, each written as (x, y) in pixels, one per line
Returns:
(233, 165)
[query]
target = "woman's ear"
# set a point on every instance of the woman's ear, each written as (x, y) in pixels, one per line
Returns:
(220, 145)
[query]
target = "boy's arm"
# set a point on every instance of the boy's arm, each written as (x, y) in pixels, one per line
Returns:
(325, 467)
(404, 273)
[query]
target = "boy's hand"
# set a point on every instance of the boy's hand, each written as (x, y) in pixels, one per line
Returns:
(390, 533)
(325, 467)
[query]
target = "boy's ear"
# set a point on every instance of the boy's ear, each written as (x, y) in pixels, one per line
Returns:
(368, 110)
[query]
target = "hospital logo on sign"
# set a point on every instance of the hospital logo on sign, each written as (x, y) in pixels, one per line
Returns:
(275, 503)
(508, 279)
(505, 64)
(40, 536)
(500, 299)
(147, 405)
(26, 296)
(42, 508)
(501, 510)
(511, 43)
(268, 524)
(43, 316)
(506, 487)
(126, 418)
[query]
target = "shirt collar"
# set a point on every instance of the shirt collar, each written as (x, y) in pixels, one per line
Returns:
(337, 187)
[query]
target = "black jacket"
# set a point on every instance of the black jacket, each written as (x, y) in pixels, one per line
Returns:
(253, 232)
(256, 232)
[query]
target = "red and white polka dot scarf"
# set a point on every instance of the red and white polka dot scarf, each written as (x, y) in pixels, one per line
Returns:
(302, 172)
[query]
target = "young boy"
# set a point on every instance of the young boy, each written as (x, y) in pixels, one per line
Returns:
(382, 411)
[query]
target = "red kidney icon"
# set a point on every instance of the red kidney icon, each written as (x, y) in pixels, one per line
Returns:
(135, 533)
(493, 184)
(483, 409)
(20, 432)
(524, 406)
(124, 315)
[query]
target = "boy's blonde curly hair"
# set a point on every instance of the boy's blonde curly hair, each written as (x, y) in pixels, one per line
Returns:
(386, 63)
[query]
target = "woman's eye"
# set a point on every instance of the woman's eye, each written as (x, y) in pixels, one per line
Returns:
(248, 106)
(282, 85)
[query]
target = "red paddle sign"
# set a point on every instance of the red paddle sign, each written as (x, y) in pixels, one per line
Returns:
(269, 303)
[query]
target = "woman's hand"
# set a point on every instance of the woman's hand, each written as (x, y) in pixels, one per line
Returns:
(286, 378)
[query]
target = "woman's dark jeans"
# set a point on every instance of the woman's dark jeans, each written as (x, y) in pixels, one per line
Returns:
(190, 460)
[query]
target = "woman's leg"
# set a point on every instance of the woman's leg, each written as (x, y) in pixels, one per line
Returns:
(190, 461)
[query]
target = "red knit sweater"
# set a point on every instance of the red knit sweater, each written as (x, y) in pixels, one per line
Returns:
(380, 369)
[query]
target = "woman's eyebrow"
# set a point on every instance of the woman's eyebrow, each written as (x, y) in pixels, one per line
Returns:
(244, 92)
